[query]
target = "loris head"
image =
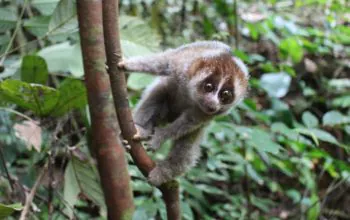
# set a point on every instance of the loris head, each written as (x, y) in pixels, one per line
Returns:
(217, 83)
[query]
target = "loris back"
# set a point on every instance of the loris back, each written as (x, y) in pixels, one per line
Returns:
(197, 82)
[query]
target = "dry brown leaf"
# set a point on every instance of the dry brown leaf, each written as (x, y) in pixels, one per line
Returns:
(30, 133)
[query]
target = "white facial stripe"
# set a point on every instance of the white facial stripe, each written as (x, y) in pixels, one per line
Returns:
(239, 91)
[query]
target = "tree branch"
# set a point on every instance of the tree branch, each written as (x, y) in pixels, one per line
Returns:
(110, 155)
(169, 190)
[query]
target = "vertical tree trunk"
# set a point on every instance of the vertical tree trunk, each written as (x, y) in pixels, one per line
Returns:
(105, 143)
(169, 190)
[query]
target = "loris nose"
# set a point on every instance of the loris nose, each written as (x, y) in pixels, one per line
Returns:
(211, 109)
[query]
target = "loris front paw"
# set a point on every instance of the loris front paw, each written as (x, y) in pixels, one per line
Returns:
(156, 140)
(141, 134)
(158, 176)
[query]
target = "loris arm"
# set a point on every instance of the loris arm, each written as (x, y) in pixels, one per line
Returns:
(157, 64)
(182, 126)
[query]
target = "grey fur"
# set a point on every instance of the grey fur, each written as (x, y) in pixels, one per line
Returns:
(170, 100)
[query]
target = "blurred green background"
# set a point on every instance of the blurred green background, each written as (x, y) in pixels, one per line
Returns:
(283, 153)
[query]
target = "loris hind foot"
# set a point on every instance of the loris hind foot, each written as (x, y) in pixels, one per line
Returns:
(159, 175)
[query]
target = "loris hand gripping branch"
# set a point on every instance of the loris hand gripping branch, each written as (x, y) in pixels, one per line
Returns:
(197, 82)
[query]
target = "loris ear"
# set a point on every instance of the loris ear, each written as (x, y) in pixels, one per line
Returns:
(242, 66)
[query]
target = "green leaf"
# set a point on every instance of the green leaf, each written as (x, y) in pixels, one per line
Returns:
(71, 188)
(34, 69)
(37, 98)
(276, 84)
(7, 210)
(309, 120)
(8, 18)
(261, 140)
(87, 178)
(138, 81)
(291, 47)
(46, 7)
(334, 118)
(294, 195)
(38, 26)
(316, 134)
(135, 37)
(72, 96)
(64, 57)
(315, 207)
(342, 101)
(64, 18)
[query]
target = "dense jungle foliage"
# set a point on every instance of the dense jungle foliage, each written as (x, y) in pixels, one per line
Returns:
(283, 153)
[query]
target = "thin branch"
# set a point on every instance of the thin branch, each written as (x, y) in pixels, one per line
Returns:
(169, 190)
(32, 193)
(18, 26)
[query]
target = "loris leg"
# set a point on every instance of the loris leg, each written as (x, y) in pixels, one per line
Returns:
(151, 108)
(183, 155)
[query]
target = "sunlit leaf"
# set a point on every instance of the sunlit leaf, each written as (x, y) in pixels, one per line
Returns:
(7, 210)
(276, 84)
(46, 7)
(64, 18)
(333, 118)
(38, 26)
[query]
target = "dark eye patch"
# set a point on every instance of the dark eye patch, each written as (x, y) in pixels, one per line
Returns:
(210, 83)
(226, 94)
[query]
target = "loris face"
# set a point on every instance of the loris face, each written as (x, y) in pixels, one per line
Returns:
(218, 83)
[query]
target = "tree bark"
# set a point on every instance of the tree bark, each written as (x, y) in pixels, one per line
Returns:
(105, 144)
(169, 190)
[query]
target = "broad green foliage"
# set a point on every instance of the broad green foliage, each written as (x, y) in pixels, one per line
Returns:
(37, 98)
(7, 210)
(43, 100)
(34, 70)
(280, 154)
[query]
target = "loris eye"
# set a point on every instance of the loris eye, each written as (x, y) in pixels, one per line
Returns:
(208, 87)
(226, 96)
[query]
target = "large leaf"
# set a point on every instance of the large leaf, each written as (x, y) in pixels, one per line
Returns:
(64, 18)
(71, 188)
(8, 19)
(333, 118)
(7, 210)
(318, 134)
(86, 177)
(135, 31)
(64, 57)
(37, 98)
(34, 69)
(138, 81)
(276, 84)
(38, 26)
(72, 95)
(46, 7)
